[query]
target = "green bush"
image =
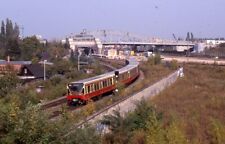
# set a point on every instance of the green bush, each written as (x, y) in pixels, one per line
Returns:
(154, 60)
(174, 65)
(26, 126)
(175, 135)
(8, 83)
(55, 80)
(217, 132)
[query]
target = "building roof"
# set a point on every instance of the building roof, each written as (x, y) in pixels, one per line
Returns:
(15, 62)
(36, 69)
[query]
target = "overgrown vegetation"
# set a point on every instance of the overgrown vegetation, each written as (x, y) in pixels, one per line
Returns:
(152, 72)
(7, 82)
(25, 123)
(144, 125)
(197, 102)
(218, 51)
(191, 111)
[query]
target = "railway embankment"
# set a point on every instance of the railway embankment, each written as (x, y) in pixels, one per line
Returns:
(128, 104)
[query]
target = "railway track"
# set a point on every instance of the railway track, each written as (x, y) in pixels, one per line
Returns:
(58, 111)
(55, 106)
(127, 102)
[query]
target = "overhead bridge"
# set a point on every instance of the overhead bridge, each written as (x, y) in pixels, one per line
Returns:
(150, 43)
(160, 46)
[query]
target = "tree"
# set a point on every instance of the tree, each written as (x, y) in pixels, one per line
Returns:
(114, 121)
(132, 126)
(12, 49)
(26, 126)
(7, 83)
(16, 31)
(72, 57)
(3, 29)
(217, 132)
(30, 48)
(9, 39)
(87, 135)
(9, 29)
(155, 132)
(155, 60)
(174, 135)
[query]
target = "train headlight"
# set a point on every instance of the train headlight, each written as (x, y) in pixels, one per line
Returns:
(75, 100)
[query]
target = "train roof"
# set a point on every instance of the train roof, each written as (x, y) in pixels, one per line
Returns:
(132, 63)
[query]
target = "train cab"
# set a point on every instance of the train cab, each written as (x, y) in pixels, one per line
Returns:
(81, 91)
(74, 92)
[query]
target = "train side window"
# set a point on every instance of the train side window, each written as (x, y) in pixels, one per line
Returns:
(93, 87)
(104, 85)
(82, 90)
(107, 82)
(110, 81)
(85, 90)
(96, 86)
(89, 89)
(101, 84)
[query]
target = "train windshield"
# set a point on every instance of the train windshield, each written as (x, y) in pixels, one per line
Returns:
(75, 87)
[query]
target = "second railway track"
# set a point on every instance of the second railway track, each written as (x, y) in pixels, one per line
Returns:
(54, 107)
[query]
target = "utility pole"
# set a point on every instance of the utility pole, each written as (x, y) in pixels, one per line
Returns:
(44, 70)
(78, 60)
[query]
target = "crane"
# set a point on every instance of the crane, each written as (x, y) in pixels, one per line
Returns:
(174, 37)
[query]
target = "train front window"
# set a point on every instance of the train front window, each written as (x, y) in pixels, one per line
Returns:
(75, 87)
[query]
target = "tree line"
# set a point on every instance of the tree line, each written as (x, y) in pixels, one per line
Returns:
(28, 48)
(9, 39)
(12, 45)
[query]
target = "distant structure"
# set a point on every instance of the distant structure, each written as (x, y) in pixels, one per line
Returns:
(207, 43)
(102, 41)
(8, 66)
(84, 41)
(214, 43)
(41, 40)
(31, 72)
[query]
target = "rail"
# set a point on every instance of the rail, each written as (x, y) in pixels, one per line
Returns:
(62, 99)
(128, 104)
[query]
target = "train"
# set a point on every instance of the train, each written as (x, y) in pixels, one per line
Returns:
(80, 92)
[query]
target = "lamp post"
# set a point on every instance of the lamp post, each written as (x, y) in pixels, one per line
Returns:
(78, 60)
(44, 70)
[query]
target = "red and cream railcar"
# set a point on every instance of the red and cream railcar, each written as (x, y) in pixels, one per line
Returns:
(81, 91)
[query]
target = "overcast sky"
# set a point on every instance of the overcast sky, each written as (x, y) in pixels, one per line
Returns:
(155, 18)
